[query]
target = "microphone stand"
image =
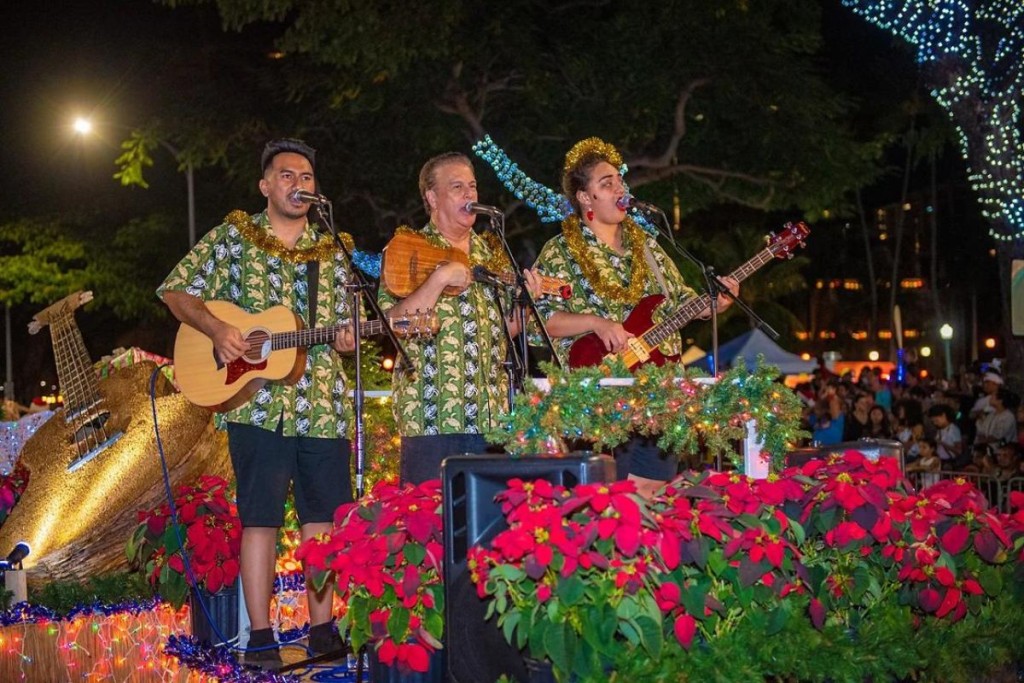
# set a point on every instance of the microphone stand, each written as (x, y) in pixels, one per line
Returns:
(519, 363)
(714, 287)
(356, 286)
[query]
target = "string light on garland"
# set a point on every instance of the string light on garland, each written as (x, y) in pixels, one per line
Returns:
(669, 402)
(972, 53)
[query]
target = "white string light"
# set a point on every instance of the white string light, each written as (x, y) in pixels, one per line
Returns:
(977, 48)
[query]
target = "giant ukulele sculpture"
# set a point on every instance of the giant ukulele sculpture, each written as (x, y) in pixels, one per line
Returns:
(92, 428)
(93, 463)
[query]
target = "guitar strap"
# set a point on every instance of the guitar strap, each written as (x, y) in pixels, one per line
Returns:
(312, 282)
(656, 269)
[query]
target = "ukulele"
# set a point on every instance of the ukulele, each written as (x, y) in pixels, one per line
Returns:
(643, 348)
(277, 342)
(409, 259)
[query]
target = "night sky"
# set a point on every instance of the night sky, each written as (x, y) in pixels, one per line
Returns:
(105, 59)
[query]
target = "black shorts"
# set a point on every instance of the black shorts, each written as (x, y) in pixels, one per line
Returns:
(641, 457)
(266, 462)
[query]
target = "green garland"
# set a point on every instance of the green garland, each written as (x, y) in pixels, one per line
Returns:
(669, 402)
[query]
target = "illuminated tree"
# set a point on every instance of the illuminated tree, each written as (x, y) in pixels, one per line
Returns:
(970, 56)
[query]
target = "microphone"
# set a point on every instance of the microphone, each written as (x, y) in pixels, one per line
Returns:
(628, 201)
(15, 557)
(484, 209)
(300, 196)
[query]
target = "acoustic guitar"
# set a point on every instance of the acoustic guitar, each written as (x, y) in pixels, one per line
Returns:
(643, 348)
(277, 342)
(409, 259)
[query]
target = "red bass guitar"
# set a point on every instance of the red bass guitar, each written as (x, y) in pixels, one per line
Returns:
(643, 348)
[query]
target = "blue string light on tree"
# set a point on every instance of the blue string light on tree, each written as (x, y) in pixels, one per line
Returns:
(971, 54)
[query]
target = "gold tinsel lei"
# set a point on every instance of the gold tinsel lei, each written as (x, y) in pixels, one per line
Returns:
(264, 239)
(634, 237)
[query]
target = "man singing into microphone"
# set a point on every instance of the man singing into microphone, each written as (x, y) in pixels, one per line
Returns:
(286, 432)
(457, 385)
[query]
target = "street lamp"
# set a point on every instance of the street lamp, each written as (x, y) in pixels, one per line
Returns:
(83, 126)
(946, 333)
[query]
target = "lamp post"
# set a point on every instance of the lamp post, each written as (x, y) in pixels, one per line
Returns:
(83, 126)
(946, 333)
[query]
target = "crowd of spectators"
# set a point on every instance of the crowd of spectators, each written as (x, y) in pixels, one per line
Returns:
(971, 424)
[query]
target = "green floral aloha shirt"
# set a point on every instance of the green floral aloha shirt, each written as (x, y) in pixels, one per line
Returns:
(459, 386)
(224, 266)
(556, 261)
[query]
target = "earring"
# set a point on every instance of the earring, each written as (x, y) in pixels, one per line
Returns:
(590, 214)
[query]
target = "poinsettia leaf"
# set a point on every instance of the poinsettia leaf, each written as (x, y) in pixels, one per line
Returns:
(750, 572)
(173, 588)
(865, 516)
(777, 619)
(716, 561)
(651, 637)
(570, 590)
(630, 631)
(698, 548)
(798, 531)
(398, 624)
(536, 638)
(627, 608)
(556, 647)
(170, 537)
(825, 519)
(693, 599)
(414, 553)
(749, 521)
(991, 580)
(508, 626)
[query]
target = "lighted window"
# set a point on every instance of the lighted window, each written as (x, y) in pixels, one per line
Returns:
(803, 336)
(885, 334)
(912, 283)
(859, 335)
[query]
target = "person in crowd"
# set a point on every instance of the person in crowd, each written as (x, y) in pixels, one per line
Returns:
(828, 417)
(928, 466)
(1000, 424)
(285, 433)
(948, 437)
(879, 426)
(612, 265)
(857, 420)
(456, 385)
(909, 427)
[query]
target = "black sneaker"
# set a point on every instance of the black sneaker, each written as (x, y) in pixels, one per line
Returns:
(264, 651)
(324, 639)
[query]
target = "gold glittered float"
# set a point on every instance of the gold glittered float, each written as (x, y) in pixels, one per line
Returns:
(95, 462)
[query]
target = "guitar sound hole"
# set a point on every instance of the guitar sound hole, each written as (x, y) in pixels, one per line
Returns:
(257, 340)
(92, 429)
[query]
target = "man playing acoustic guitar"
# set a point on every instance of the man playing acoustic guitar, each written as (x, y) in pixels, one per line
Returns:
(612, 265)
(285, 432)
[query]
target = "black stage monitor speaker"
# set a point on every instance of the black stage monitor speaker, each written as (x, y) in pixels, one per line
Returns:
(476, 649)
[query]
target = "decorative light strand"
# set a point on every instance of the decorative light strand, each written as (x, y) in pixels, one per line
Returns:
(551, 206)
(973, 51)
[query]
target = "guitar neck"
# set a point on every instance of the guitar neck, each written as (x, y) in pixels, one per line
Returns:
(688, 311)
(320, 335)
(548, 285)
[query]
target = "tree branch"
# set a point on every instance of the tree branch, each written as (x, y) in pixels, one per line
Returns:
(678, 129)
